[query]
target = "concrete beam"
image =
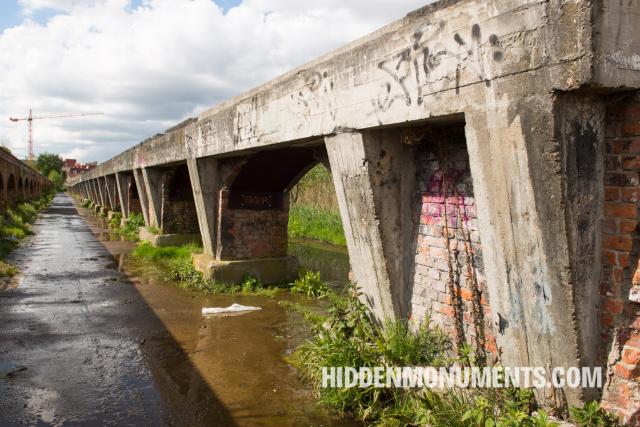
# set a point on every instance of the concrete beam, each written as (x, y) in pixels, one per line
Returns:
(203, 174)
(123, 181)
(373, 177)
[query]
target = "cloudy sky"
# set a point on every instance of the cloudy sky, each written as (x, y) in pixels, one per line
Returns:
(148, 64)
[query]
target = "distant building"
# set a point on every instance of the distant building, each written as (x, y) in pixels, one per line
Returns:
(71, 167)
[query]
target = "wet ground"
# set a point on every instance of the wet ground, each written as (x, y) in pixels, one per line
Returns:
(90, 336)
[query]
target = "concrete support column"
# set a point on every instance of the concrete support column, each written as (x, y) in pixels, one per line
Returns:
(123, 181)
(142, 193)
(537, 168)
(110, 185)
(153, 185)
(94, 192)
(374, 176)
(102, 191)
(203, 174)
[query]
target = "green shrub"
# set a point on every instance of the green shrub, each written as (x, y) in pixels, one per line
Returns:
(114, 222)
(310, 285)
(592, 415)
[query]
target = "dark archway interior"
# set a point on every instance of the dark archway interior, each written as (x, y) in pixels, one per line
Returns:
(178, 207)
(267, 175)
(180, 185)
(11, 184)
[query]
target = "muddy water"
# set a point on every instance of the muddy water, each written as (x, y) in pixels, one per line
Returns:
(237, 359)
(91, 337)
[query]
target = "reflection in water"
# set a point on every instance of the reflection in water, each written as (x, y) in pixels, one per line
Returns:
(331, 261)
(238, 359)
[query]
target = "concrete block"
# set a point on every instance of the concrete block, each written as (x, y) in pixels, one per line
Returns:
(110, 215)
(159, 240)
(267, 270)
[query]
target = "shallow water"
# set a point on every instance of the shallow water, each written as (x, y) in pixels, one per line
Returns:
(92, 336)
(240, 358)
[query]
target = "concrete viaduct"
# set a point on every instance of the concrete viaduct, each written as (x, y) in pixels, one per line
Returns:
(485, 160)
(19, 182)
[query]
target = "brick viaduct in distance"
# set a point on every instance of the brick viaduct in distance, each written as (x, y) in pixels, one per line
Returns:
(485, 156)
(18, 182)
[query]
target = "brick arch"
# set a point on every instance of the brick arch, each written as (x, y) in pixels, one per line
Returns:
(265, 177)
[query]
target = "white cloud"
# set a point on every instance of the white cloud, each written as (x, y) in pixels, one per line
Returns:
(149, 67)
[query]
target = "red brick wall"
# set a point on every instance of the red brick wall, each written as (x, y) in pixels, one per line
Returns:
(620, 316)
(445, 203)
(246, 233)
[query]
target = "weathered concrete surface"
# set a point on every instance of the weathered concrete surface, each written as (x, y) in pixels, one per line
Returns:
(267, 270)
(145, 234)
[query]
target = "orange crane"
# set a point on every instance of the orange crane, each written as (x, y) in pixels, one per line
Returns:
(30, 119)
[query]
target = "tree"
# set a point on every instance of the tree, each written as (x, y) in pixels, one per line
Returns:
(5, 148)
(47, 162)
(56, 178)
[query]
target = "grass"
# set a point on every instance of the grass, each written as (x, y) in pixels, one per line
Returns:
(146, 251)
(176, 260)
(318, 223)
(314, 210)
(15, 226)
(131, 227)
(346, 335)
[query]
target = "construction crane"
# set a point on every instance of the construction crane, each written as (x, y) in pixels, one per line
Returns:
(31, 118)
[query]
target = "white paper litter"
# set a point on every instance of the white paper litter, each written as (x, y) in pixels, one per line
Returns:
(233, 308)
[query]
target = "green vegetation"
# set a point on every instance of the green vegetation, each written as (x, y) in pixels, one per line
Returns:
(346, 335)
(57, 179)
(316, 223)
(131, 227)
(314, 210)
(592, 415)
(310, 285)
(15, 226)
(176, 261)
(114, 222)
(146, 252)
(154, 230)
(47, 162)
(87, 204)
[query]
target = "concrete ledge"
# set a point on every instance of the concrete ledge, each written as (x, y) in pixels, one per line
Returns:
(111, 214)
(267, 270)
(167, 239)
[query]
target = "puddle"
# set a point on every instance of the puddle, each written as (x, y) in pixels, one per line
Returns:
(239, 359)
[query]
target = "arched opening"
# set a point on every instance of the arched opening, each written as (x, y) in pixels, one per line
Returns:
(32, 189)
(178, 215)
(11, 190)
(254, 202)
(26, 193)
(133, 197)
